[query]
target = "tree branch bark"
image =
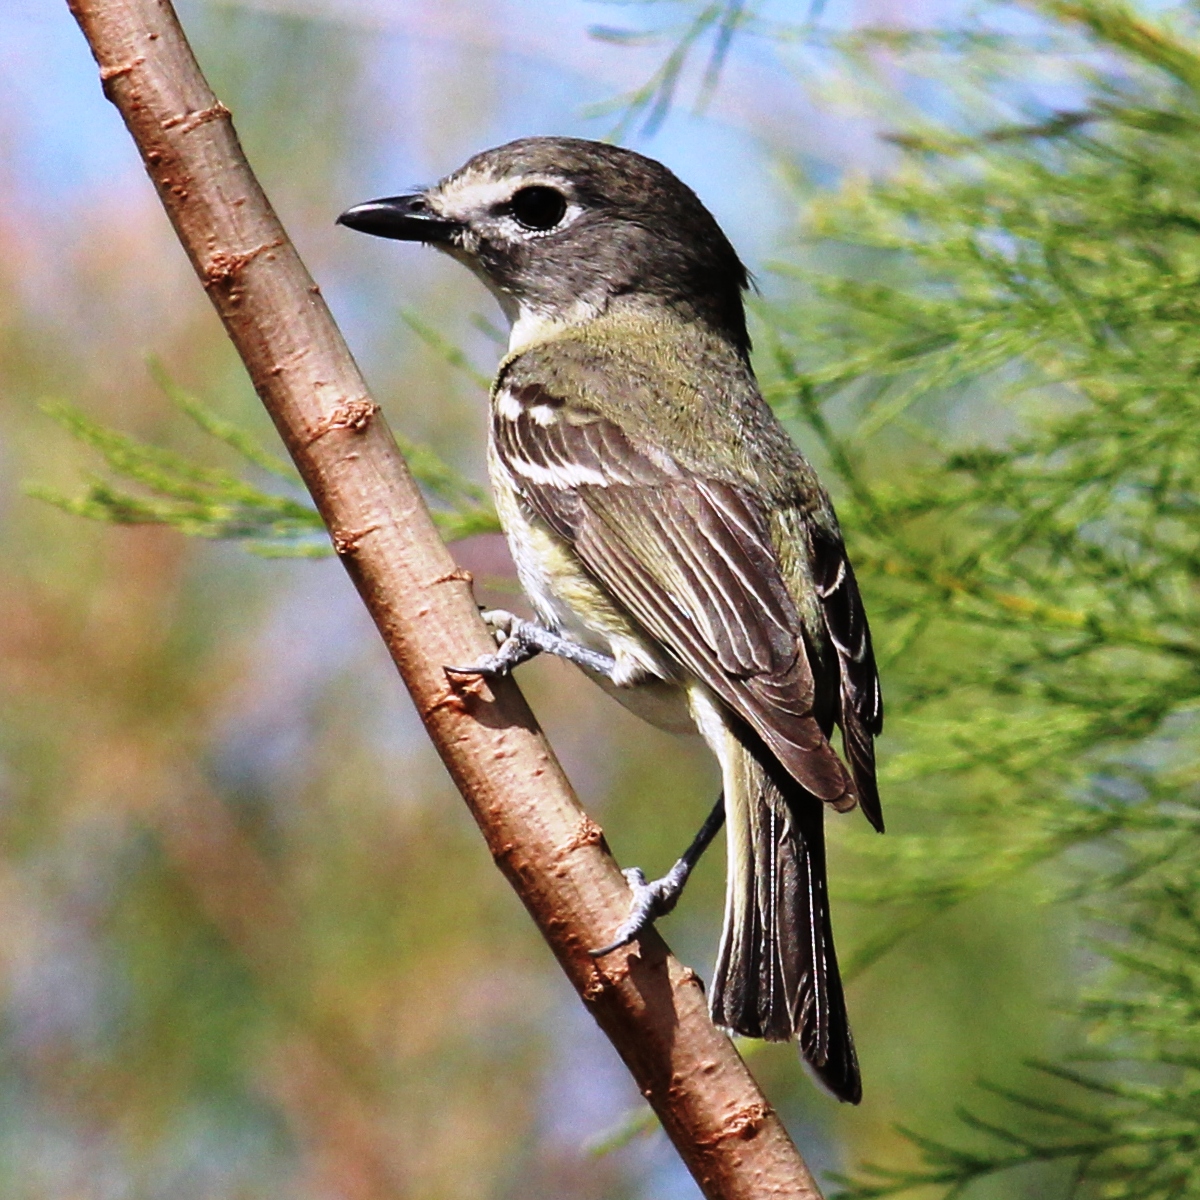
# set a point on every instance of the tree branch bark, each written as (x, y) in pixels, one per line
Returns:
(650, 1006)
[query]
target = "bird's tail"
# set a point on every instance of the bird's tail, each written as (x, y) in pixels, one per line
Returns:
(777, 974)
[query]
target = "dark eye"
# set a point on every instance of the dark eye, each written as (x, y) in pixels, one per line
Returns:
(538, 207)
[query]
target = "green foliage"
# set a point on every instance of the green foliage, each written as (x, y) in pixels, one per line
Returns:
(996, 350)
(1012, 317)
(1131, 1130)
(210, 502)
(1132, 1126)
(446, 350)
(649, 103)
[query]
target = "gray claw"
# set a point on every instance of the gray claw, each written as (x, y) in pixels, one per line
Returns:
(513, 649)
(650, 901)
(491, 666)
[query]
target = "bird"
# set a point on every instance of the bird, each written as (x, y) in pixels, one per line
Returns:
(672, 540)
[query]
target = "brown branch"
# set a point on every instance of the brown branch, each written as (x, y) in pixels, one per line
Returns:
(649, 1005)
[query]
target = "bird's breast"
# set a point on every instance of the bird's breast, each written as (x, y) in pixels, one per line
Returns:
(567, 599)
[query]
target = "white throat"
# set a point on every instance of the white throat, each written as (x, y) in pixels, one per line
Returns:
(533, 325)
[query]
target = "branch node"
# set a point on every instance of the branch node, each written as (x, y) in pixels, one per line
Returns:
(588, 833)
(469, 685)
(594, 988)
(107, 74)
(186, 122)
(353, 414)
(612, 972)
(743, 1124)
(347, 543)
(450, 699)
(225, 264)
(460, 574)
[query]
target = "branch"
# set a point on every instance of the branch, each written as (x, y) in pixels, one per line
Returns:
(650, 1006)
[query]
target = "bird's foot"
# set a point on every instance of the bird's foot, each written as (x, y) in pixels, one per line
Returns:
(522, 640)
(656, 899)
(514, 648)
(650, 901)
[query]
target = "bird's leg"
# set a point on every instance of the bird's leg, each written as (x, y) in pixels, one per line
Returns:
(522, 640)
(657, 898)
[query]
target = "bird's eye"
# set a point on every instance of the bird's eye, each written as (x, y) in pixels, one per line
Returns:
(539, 208)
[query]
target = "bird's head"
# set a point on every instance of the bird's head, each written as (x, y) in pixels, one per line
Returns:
(562, 230)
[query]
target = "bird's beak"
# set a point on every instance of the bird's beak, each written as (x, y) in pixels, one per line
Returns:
(405, 218)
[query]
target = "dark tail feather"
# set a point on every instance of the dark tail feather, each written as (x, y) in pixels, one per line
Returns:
(859, 745)
(777, 974)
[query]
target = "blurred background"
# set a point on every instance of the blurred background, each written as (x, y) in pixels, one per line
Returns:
(252, 945)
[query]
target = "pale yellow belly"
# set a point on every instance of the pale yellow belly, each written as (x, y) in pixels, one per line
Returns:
(567, 600)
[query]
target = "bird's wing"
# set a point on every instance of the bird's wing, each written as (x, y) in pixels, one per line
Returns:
(860, 707)
(689, 558)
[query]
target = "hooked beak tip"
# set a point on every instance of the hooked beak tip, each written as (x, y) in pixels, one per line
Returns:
(402, 218)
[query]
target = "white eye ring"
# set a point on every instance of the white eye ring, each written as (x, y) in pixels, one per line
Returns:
(513, 228)
(538, 208)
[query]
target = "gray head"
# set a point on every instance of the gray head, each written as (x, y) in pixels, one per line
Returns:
(562, 229)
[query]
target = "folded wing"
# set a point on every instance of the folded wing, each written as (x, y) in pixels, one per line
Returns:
(691, 560)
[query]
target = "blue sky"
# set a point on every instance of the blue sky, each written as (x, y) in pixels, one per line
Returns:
(64, 143)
